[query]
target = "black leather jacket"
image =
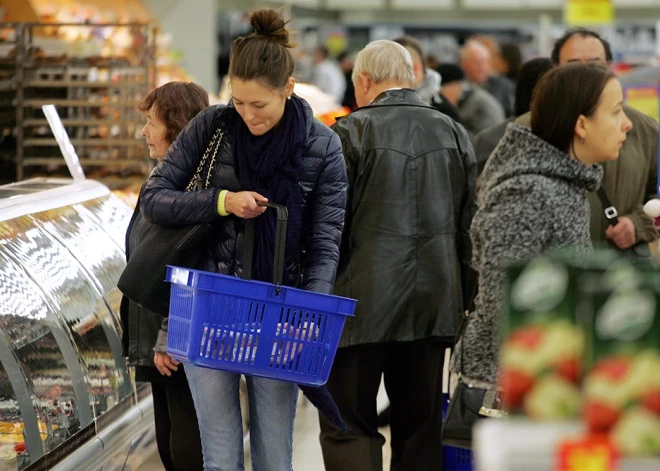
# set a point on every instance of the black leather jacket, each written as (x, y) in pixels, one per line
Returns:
(406, 247)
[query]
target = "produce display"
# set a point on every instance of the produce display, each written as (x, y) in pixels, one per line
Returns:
(582, 340)
(622, 384)
(541, 357)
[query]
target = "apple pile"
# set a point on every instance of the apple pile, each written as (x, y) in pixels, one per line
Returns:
(540, 367)
(622, 399)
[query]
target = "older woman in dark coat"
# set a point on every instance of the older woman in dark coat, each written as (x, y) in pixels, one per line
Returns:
(167, 110)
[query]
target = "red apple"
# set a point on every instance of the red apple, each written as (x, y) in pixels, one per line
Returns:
(651, 401)
(569, 368)
(527, 338)
(600, 417)
(613, 368)
(515, 385)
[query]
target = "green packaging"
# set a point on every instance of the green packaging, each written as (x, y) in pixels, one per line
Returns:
(542, 343)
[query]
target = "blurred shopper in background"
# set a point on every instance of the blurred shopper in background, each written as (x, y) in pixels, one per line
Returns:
(432, 62)
(168, 109)
(405, 256)
(477, 108)
(346, 62)
(632, 179)
(427, 81)
(477, 62)
(530, 73)
(533, 194)
(327, 75)
(510, 61)
(270, 148)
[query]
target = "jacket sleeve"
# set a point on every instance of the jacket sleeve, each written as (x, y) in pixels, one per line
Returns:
(644, 227)
(468, 209)
(326, 221)
(161, 339)
(164, 199)
(350, 161)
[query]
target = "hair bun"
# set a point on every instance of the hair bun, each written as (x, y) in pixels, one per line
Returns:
(267, 23)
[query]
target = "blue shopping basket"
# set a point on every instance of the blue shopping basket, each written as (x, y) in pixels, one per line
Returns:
(251, 327)
(453, 458)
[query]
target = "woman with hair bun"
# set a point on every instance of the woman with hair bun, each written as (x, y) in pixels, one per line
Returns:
(271, 149)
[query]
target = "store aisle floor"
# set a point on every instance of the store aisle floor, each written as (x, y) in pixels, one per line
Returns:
(306, 447)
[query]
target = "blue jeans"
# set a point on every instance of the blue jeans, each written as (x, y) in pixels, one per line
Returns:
(272, 412)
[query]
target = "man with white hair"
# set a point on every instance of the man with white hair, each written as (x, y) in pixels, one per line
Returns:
(405, 256)
(477, 63)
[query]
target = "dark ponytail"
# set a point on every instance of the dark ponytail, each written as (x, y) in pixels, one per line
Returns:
(265, 54)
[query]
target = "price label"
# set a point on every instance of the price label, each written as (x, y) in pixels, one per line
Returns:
(589, 12)
(644, 99)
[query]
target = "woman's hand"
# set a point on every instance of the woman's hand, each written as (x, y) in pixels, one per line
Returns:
(244, 204)
(165, 364)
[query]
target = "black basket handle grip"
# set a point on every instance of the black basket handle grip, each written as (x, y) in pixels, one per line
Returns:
(280, 243)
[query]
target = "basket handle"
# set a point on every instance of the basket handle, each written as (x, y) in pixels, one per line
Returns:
(280, 243)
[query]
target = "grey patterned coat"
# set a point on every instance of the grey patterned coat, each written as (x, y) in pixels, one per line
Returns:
(532, 199)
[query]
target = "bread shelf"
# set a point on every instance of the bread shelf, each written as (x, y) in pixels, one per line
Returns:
(45, 142)
(96, 98)
(72, 123)
(81, 84)
(77, 103)
(50, 161)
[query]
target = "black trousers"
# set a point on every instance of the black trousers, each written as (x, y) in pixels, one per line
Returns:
(177, 431)
(413, 380)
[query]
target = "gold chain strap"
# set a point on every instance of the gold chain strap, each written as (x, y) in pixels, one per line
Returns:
(215, 143)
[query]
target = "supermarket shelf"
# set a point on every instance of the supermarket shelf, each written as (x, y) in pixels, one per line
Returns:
(82, 122)
(48, 142)
(80, 84)
(34, 103)
(60, 162)
(64, 62)
(7, 85)
(88, 91)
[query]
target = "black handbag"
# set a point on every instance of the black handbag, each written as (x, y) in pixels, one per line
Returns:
(143, 278)
(468, 404)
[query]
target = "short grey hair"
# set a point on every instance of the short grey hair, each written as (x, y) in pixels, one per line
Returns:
(385, 61)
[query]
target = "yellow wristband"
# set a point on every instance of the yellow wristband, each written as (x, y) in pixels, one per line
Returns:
(221, 203)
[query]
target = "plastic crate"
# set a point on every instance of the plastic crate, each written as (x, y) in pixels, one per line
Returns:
(254, 328)
(455, 459)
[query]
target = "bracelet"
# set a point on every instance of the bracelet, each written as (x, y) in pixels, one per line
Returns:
(221, 203)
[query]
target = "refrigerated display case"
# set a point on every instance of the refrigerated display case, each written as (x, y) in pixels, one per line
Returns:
(63, 379)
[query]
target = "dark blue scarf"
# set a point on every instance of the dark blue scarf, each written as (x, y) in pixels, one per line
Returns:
(271, 165)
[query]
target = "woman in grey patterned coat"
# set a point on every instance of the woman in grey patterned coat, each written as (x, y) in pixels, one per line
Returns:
(533, 194)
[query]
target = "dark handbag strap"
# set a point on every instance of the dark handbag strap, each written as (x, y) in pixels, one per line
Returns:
(280, 243)
(610, 211)
(214, 145)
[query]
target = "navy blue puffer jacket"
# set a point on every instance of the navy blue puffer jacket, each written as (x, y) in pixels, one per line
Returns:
(165, 201)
